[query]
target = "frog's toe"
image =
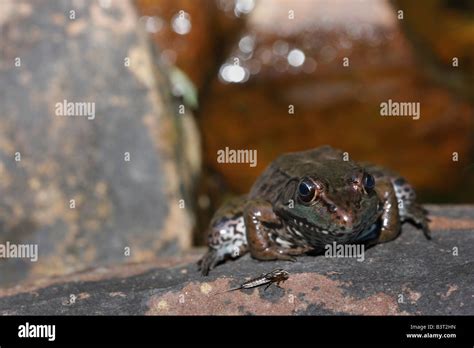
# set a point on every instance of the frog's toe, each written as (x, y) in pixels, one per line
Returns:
(287, 257)
(423, 223)
(286, 254)
(418, 215)
(426, 229)
(427, 233)
(208, 262)
(298, 251)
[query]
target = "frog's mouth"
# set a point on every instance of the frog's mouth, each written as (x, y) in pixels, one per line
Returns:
(318, 234)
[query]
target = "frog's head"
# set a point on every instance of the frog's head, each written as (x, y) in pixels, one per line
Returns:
(333, 198)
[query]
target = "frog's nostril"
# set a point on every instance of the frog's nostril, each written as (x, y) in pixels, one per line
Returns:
(345, 218)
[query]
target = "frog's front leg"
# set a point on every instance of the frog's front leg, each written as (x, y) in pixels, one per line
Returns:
(398, 204)
(260, 219)
(390, 217)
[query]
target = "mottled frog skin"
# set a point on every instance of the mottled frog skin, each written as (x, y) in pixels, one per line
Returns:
(308, 199)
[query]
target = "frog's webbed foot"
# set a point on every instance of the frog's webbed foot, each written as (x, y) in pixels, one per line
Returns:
(296, 251)
(208, 262)
(215, 257)
(419, 216)
(258, 215)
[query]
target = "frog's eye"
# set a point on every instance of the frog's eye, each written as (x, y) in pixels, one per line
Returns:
(369, 182)
(307, 190)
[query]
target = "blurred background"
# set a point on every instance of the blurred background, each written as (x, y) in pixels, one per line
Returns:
(293, 53)
(203, 75)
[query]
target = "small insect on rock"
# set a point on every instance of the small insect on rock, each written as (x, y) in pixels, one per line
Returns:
(276, 276)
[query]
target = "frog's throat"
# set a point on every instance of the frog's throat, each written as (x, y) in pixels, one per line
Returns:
(306, 228)
(303, 225)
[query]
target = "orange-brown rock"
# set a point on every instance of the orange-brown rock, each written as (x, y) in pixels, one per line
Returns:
(337, 104)
(199, 48)
(442, 35)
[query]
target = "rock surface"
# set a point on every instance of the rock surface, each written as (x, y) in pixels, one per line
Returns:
(86, 188)
(410, 275)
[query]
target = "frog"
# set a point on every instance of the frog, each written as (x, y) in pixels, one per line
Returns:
(306, 200)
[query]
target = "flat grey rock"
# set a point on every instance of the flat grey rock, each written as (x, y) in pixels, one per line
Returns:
(75, 192)
(410, 275)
